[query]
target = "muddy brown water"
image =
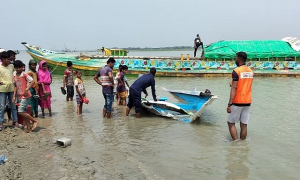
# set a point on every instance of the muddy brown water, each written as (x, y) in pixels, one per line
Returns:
(159, 148)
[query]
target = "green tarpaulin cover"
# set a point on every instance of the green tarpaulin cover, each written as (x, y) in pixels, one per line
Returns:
(254, 49)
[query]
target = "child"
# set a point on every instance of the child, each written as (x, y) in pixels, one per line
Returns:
(121, 89)
(116, 82)
(23, 68)
(68, 81)
(80, 91)
(21, 90)
(34, 90)
(44, 80)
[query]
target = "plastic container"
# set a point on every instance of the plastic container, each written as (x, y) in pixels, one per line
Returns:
(63, 142)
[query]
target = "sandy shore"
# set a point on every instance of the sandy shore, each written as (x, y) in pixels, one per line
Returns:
(36, 156)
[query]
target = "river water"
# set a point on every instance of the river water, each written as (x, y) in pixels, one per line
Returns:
(158, 148)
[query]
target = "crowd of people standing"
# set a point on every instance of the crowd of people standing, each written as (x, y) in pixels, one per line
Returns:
(19, 89)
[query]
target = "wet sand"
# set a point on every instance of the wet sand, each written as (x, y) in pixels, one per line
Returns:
(33, 156)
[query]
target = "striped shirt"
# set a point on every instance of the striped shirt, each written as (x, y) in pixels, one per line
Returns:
(107, 87)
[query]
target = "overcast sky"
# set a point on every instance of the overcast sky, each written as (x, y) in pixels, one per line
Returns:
(90, 24)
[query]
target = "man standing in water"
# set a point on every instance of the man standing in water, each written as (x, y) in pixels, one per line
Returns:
(197, 43)
(107, 83)
(136, 89)
(240, 97)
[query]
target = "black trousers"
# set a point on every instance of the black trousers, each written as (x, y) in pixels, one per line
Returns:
(196, 48)
(134, 99)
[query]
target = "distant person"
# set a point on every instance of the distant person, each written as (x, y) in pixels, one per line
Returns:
(34, 89)
(107, 83)
(6, 88)
(80, 91)
(197, 43)
(12, 56)
(240, 97)
(121, 88)
(68, 81)
(44, 80)
(136, 89)
(103, 51)
(22, 83)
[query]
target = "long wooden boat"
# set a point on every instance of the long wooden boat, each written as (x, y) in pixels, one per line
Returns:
(279, 59)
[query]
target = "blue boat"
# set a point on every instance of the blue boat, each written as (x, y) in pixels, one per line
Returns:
(189, 110)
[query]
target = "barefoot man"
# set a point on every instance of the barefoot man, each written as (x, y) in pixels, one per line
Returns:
(240, 97)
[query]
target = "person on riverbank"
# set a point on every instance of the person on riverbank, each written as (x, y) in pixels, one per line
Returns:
(68, 81)
(7, 108)
(12, 56)
(34, 89)
(80, 91)
(6, 88)
(240, 97)
(1, 51)
(107, 83)
(44, 81)
(121, 89)
(136, 90)
(197, 43)
(22, 83)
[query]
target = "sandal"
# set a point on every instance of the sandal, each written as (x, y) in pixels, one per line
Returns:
(46, 95)
(63, 91)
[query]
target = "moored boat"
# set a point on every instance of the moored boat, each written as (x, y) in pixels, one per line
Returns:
(219, 60)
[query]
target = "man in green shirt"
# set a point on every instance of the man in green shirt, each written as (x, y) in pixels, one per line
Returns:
(6, 88)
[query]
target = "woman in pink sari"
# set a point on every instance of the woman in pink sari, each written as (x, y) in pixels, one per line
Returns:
(44, 80)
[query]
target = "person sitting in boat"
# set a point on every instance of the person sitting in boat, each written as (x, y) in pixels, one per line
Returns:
(197, 43)
(102, 51)
(136, 90)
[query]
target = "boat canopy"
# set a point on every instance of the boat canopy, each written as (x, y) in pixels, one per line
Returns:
(254, 49)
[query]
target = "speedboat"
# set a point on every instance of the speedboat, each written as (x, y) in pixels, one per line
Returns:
(188, 110)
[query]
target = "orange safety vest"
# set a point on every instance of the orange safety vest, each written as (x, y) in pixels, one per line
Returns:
(243, 92)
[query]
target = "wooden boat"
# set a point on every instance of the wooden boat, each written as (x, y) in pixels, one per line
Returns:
(219, 60)
(189, 110)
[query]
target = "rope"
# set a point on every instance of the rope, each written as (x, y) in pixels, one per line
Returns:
(55, 67)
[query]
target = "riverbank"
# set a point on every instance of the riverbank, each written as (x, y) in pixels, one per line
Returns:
(36, 156)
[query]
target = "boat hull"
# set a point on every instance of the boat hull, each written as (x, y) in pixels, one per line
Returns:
(194, 102)
(165, 66)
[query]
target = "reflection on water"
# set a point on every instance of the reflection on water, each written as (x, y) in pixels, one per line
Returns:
(237, 159)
